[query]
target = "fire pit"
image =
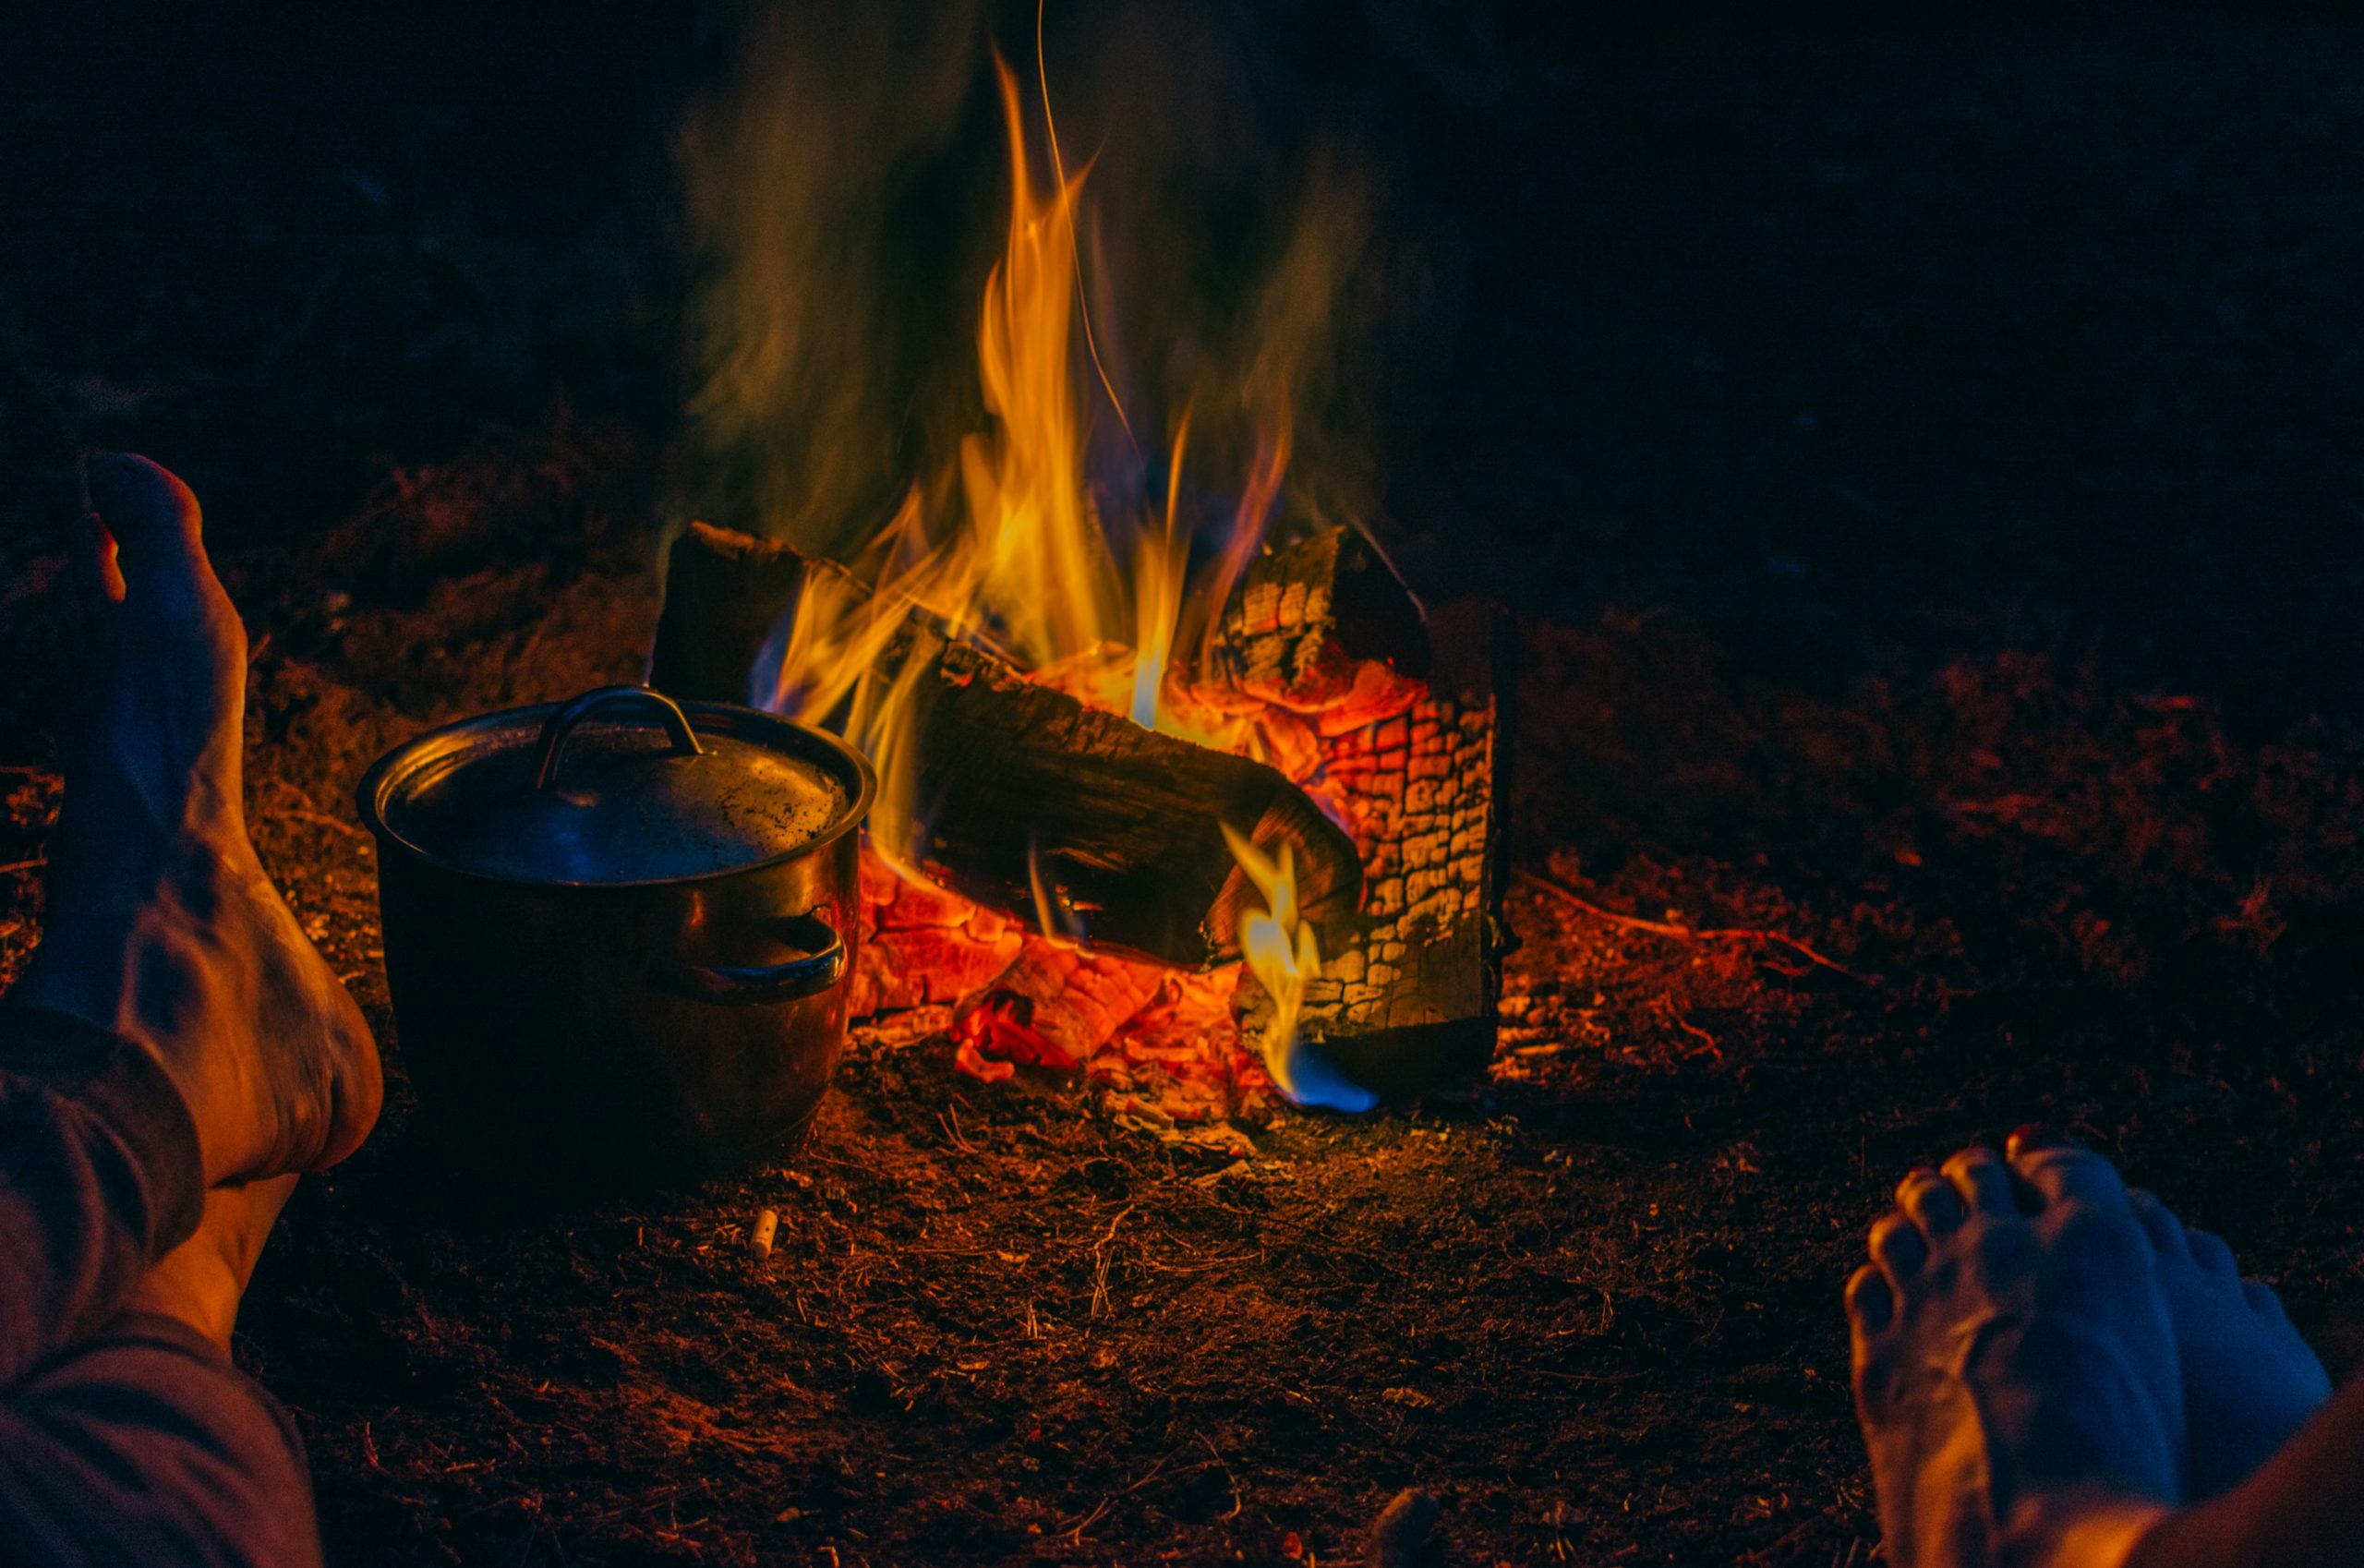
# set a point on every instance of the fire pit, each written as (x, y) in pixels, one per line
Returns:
(1075, 900)
(1201, 801)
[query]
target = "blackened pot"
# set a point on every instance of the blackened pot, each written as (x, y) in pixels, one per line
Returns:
(618, 930)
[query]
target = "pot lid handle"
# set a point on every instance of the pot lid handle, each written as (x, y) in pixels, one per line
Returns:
(552, 745)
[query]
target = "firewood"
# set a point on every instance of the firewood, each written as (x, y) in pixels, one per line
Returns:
(1021, 785)
(724, 592)
(1411, 999)
(1124, 824)
(1324, 626)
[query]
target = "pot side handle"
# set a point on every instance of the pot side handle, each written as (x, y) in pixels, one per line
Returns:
(738, 985)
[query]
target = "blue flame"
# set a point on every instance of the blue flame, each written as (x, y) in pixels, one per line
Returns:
(1314, 1079)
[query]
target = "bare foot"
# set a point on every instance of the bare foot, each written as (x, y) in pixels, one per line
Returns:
(201, 1280)
(162, 925)
(2248, 1380)
(2015, 1371)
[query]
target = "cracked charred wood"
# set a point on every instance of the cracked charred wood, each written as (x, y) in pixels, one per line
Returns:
(1411, 998)
(1026, 798)
(724, 593)
(1323, 626)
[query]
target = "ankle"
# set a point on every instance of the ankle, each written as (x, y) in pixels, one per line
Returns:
(198, 1291)
(2079, 1527)
(142, 983)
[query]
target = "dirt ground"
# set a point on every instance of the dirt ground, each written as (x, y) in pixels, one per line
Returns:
(2073, 810)
(1590, 1304)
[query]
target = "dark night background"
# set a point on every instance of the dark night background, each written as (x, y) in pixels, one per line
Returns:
(1862, 341)
(1923, 451)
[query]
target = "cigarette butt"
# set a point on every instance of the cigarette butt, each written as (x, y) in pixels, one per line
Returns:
(766, 1227)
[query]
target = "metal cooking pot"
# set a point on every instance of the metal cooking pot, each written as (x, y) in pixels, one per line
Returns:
(617, 929)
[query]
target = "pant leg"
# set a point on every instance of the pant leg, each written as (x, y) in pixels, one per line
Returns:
(125, 1438)
(100, 1176)
(144, 1445)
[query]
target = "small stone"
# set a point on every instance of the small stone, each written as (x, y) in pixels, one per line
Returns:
(1402, 1529)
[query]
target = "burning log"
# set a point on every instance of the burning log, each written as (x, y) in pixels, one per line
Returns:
(1325, 627)
(1420, 770)
(724, 592)
(1027, 796)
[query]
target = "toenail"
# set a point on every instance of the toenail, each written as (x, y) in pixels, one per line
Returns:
(2033, 1135)
(1982, 1179)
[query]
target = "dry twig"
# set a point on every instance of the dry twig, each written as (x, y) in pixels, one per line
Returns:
(1569, 895)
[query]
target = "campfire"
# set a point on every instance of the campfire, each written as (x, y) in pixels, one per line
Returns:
(1193, 796)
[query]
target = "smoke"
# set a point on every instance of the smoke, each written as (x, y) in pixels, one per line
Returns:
(811, 178)
(847, 189)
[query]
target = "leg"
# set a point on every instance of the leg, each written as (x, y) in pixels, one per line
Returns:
(163, 928)
(142, 1444)
(175, 1030)
(2302, 1509)
(175, 1033)
(100, 1176)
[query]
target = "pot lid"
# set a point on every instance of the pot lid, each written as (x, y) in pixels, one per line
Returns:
(618, 787)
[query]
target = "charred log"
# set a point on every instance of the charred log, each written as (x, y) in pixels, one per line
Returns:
(1121, 826)
(1324, 626)
(925, 949)
(1412, 998)
(724, 594)
(1028, 800)
(1057, 1004)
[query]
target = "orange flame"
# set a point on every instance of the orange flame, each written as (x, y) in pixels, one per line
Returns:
(1281, 951)
(1027, 565)
(1047, 577)
(1283, 955)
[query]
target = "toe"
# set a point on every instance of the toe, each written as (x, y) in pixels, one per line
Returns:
(157, 531)
(1871, 1307)
(2159, 1223)
(2062, 1171)
(1931, 1200)
(1898, 1248)
(2209, 1250)
(98, 599)
(1982, 1180)
(2264, 1300)
(98, 577)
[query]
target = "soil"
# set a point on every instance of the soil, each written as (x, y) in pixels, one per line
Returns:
(1938, 856)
